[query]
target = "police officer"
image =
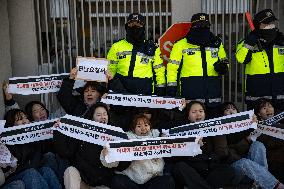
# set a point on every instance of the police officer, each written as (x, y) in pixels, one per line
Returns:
(262, 53)
(197, 63)
(136, 63)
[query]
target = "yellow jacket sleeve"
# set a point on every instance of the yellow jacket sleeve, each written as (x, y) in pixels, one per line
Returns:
(242, 52)
(113, 60)
(174, 63)
(159, 69)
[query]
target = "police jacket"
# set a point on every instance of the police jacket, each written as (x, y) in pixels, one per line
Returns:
(137, 67)
(264, 69)
(191, 68)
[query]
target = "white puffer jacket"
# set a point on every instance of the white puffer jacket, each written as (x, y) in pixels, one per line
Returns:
(141, 171)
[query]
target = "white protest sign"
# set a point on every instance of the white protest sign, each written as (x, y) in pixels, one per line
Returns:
(142, 101)
(149, 148)
(89, 131)
(273, 120)
(36, 84)
(92, 69)
(217, 126)
(276, 131)
(28, 133)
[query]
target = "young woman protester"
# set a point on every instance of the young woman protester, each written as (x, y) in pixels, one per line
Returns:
(264, 109)
(204, 170)
(140, 174)
(30, 168)
(86, 170)
(247, 157)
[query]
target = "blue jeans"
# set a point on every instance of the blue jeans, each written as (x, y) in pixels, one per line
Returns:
(17, 184)
(255, 167)
(44, 178)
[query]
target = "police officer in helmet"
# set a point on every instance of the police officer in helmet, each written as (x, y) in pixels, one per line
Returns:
(262, 51)
(196, 65)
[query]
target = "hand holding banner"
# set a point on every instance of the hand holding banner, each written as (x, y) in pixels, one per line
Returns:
(92, 69)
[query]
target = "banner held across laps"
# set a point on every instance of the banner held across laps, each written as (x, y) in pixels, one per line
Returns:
(141, 149)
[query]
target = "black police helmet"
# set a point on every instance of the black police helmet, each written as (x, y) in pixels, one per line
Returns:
(265, 16)
(200, 20)
(136, 17)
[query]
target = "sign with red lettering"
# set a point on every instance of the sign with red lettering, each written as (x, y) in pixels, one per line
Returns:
(142, 101)
(217, 126)
(149, 148)
(176, 32)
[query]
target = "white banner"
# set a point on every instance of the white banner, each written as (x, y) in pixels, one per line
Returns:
(92, 69)
(276, 131)
(39, 84)
(217, 126)
(273, 120)
(36, 84)
(141, 149)
(89, 131)
(28, 133)
(142, 101)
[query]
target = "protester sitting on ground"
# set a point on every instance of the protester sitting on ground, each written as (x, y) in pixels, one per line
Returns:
(78, 105)
(86, 169)
(147, 173)
(275, 147)
(247, 157)
(203, 170)
(29, 155)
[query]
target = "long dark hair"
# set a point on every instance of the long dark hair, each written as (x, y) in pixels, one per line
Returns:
(29, 109)
(89, 114)
(10, 117)
(191, 103)
(226, 105)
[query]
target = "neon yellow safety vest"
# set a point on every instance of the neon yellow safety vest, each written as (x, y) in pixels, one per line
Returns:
(136, 64)
(192, 66)
(264, 70)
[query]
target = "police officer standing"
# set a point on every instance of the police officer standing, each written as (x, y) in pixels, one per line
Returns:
(196, 65)
(136, 66)
(262, 53)
(136, 63)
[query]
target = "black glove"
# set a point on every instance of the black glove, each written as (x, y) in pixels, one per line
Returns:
(252, 38)
(221, 67)
(150, 48)
(171, 91)
(160, 91)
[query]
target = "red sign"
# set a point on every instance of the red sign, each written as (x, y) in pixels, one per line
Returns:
(176, 32)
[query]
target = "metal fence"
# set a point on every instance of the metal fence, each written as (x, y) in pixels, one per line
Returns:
(70, 28)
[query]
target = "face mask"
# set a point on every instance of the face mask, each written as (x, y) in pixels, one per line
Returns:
(135, 35)
(268, 34)
(199, 36)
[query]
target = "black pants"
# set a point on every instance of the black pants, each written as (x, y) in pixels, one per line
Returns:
(185, 175)
(160, 182)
